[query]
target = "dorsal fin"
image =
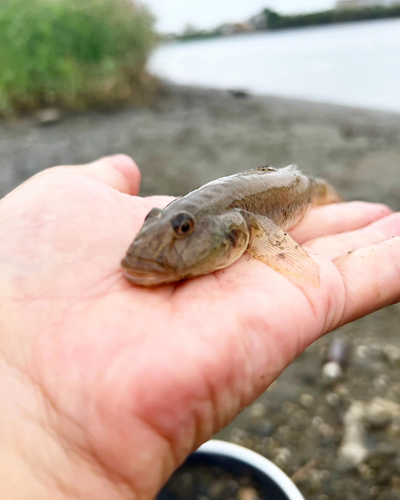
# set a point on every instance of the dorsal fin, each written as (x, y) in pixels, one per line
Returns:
(292, 168)
(264, 169)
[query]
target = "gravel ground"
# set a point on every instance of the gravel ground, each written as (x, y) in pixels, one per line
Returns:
(190, 136)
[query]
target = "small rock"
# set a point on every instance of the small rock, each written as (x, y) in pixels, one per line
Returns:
(248, 494)
(342, 391)
(395, 482)
(262, 428)
(317, 422)
(48, 116)
(380, 383)
(332, 399)
(351, 455)
(238, 436)
(231, 488)
(239, 93)
(362, 351)
(353, 450)
(374, 491)
(282, 456)
(284, 431)
(380, 412)
(331, 372)
(316, 479)
(392, 354)
(365, 471)
(257, 410)
(382, 456)
(187, 479)
(306, 400)
(373, 352)
(326, 430)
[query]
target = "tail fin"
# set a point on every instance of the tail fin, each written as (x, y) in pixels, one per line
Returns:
(323, 193)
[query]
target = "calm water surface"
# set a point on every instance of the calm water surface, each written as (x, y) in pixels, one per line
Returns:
(355, 64)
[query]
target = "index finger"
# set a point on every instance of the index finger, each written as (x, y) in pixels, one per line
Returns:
(338, 218)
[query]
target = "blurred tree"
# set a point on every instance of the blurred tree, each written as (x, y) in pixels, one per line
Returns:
(72, 53)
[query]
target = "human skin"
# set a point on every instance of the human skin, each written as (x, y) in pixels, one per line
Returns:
(105, 387)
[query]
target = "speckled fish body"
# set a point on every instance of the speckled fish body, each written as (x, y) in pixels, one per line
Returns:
(211, 227)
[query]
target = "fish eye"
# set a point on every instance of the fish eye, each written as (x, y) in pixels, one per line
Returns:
(183, 224)
(155, 213)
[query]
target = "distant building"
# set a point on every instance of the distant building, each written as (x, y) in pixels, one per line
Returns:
(364, 4)
(229, 29)
(258, 22)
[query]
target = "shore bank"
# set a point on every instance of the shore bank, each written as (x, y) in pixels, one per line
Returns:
(192, 135)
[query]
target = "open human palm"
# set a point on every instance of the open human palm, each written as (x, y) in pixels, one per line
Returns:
(107, 387)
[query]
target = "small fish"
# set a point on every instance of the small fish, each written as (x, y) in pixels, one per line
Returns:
(211, 227)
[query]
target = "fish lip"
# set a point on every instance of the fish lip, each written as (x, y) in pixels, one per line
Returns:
(146, 279)
(144, 265)
(153, 274)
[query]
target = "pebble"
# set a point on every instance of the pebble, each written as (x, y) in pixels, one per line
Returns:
(282, 456)
(331, 372)
(326, 430)
(380, 383)
(395, 482)
(380, 412)
(268, 442)
(262, 428)
(332, 399)
(317, 422)
(373, 352)
(377, 413)
(48, 116)
(366, 472)
(317, 478)
(306, 400)
(374, 491)
(248, 494)
(362, 351)
(353, 451)
(257, 410)
(382, 456)
(239, 93)
(284, 431)
(392, 354)
(238, 436)
(187, 479)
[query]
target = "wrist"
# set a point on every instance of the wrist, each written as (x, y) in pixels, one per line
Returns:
(42, 456)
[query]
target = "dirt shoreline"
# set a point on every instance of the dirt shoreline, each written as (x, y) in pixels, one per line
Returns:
(192, 135)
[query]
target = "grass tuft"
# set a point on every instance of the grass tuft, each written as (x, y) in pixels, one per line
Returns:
(72, 53)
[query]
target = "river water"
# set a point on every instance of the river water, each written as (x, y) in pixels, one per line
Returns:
(355, 64)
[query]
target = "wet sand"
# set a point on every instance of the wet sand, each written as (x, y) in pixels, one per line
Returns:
(190, 136)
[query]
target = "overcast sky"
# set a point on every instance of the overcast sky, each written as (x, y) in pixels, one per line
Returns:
(173, 15)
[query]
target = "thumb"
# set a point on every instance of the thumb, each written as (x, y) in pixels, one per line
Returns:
(119, 172)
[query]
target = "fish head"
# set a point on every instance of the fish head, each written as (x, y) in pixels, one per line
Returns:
(174, 245)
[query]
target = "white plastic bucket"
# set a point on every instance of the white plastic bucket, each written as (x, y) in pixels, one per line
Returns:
(255, 461)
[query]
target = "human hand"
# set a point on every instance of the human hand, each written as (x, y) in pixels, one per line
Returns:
(107, 387)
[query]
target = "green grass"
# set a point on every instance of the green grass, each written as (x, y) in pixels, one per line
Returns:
(72, 53)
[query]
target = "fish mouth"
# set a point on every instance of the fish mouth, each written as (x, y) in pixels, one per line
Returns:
(146, 272)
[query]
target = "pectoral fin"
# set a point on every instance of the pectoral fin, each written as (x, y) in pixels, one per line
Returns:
(271, 245)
